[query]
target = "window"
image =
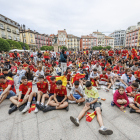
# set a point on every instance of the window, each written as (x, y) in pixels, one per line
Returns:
(31, 35)
(25, 40)
(1, 25)
(31, 40)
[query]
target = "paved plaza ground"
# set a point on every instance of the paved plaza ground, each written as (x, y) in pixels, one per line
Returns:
(56, 125)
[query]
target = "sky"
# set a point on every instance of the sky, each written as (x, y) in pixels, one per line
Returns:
(78, 17)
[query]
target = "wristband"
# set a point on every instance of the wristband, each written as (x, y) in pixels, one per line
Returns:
(20, 100)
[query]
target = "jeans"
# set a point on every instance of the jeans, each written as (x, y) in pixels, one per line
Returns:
(124, 57)
(35, 60)
(11, 94)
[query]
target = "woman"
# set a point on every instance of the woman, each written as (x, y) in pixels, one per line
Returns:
(29, 74)
(39, 55)
(127, 78)
(63, 60)
(53, 72)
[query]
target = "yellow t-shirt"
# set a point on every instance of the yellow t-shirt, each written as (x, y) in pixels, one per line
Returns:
(93, 93)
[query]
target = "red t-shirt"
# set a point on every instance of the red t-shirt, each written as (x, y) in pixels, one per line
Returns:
(5, 85)
(52, 87)
(18, 63)
(25, 65)
(46, 55)
(137, 73)
(42, 87)
(31, 67)
(61, 92)
(102, 64)
(24, 88)
(14, 68)
(103, 76)
(111, 53)
(124, 52)
(129, 89)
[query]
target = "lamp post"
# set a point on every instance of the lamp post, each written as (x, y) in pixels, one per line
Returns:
(22, 29)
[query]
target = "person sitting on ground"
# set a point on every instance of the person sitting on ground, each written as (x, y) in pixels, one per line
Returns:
(76, 94)
(137, 74)
(60, 98)
(103, 80)
(42, 89)
(7, 88)
(52, 84)
(92, 102)
(120, 98)
(24, 91)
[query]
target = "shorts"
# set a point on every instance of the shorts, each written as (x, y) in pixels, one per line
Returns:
(95, 105)
(77, 96)
(51, 94)
(38, 59)
(40, 98)
(11, 94)
(103, 83)
(60, 98)
(22, 96)
(47, 59)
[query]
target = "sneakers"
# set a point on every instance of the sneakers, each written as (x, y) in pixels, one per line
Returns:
(25, 109)
(22, 107)
(132, 110)
(112, 103)
(67, 108)
(107, 90)
(105, 131)
(11, 105)
(71, 102)
(40, 107)
(36, 110)
(74, 120)
(47, 108)
(79, 104)
(98, 88)
(14, 108)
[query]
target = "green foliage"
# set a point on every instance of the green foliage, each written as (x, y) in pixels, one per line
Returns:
(4, 45)
(26, 46)
(64, 48)
(46, 48)
(100, 48)
(14, 44)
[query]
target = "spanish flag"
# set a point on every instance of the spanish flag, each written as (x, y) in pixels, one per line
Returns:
(137, 98)
(77, 77)
(62, 78)
(33, 106)
(9, 78)
(93, 83)
(90, 116)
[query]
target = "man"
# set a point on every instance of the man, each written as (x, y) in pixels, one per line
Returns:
(53, 55)
(134, 67)
(98, 67)
(137, 74)
(124, 53)
(7, 88)
(6, 73)
(60, 98)
(92, 102)
(24, 91)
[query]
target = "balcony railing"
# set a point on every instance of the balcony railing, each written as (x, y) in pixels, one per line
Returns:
(17, 33)
(14, 31)
(3, 28)
(8, 29)
(3, 36)
(9, 37)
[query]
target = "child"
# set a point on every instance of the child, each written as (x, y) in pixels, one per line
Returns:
(68, 75)
(104, 80)
(135, 107)
(92, 102)
(50, 96)
(42, 89)
(76, 94)
(120, 98)
(60, 98)
(24, 91)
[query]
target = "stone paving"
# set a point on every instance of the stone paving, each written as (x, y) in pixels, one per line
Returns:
(56, 125)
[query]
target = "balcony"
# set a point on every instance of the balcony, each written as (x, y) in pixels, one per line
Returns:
(14, 31)
(8, 29)
(4, 36)
(9, 37)
(3, 28)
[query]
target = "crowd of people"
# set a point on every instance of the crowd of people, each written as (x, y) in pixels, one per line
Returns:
(86, 72)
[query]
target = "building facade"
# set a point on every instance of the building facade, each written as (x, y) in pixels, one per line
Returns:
(28, 37)
(9, 29)
(103, 40)
(119, 38)
(73, 42)
(87, 42)
(132, 36)
(62, 38)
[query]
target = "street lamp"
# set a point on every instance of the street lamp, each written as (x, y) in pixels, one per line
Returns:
(22, 29)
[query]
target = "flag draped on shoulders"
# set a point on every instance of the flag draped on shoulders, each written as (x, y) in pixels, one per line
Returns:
(77, 77)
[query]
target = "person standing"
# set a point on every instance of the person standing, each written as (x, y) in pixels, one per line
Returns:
(63, 60)
(35, 57)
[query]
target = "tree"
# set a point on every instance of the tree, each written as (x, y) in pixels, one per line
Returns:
(4, 45)
(108, 47)
(64, 48)
(14, 44)
(26, 46)
(47, 48)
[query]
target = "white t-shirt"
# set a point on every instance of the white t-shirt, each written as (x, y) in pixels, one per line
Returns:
(35, 54)
(53, 54)
(110, 75)
(124, 78)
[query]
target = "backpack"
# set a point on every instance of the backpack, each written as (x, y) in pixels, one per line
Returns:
(62, 59)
